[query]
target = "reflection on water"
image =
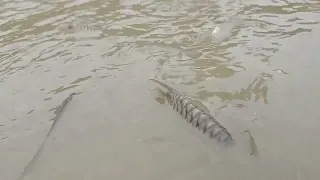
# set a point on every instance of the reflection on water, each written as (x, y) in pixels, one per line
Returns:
(51, 48)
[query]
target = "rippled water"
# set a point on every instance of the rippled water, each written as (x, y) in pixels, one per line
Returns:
(259, 72)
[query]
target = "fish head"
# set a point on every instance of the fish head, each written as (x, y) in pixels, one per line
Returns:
(66, 27)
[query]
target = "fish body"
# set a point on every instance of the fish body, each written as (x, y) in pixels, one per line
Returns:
(195, 113)
(72, 27)
(58, 112)
(220, 32)
(253, 146)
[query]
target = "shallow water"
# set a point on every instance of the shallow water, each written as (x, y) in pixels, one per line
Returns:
(262, 77)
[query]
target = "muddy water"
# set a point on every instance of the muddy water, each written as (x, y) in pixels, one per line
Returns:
(261, 75)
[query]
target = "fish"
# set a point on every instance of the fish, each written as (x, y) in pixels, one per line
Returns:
(253, 146)
(58, 112)
(220, 32)
(194, 112)
(72, 27)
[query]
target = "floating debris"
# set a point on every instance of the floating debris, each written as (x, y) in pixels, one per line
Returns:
(194, 112)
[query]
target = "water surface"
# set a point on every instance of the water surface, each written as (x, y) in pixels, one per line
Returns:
(261, 76)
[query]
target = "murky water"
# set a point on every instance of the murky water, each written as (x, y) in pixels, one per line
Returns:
(259, 72)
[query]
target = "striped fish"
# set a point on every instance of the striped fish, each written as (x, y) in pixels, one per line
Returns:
(73, 27)
(194, 112)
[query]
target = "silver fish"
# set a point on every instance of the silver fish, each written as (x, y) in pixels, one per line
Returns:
(220, 32)
(195, 113)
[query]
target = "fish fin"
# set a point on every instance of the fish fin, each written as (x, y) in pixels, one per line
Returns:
(199, 104)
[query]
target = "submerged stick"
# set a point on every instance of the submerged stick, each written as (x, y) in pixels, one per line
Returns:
(194, 112)
(58, 112)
